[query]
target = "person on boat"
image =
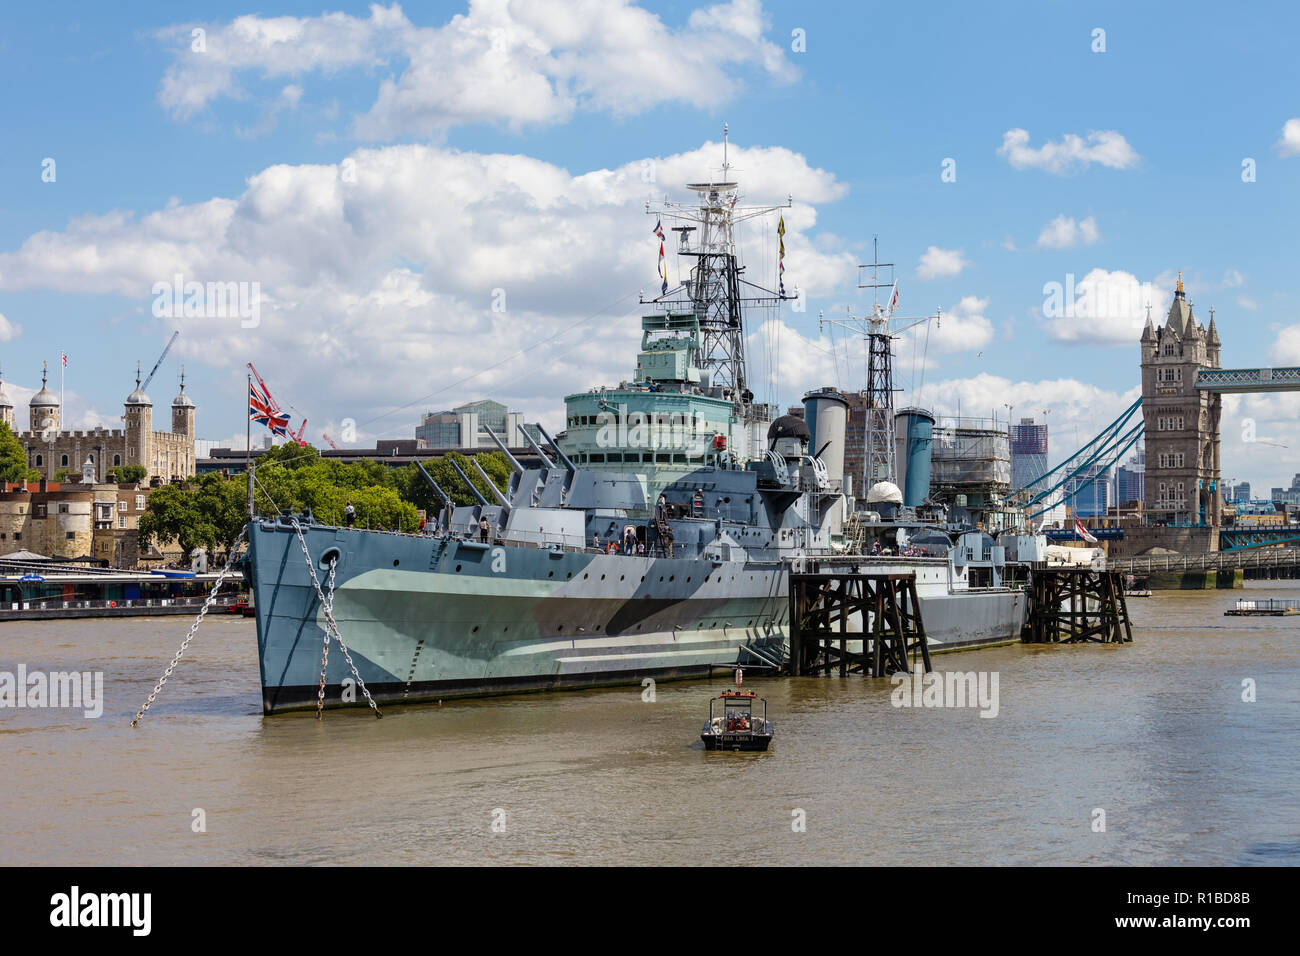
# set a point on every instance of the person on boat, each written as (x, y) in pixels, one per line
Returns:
(640, 549)
(697, 503)
(629, 540)
(483, 528)
(595, 541)
(661, 509)
(350, 515)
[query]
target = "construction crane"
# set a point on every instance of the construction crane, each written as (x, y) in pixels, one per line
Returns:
(167, 348)
(330, 441)
(298, 437)
(275, 406)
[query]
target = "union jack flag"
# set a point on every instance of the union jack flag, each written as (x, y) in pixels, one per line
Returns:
(264, 412)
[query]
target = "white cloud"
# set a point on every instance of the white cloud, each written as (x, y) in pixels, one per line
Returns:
(1073, 153)
(1286, 349)
(1289, 144)
(1102, 308)
(939, 263)
(521, 64)
(1246, 302)
(1233, 278)
(963, 328)
(373, 285)
(1070, 404)
(1064, 233)
(9, 330)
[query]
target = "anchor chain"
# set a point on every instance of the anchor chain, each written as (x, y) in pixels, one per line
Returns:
(332, 628)
(212, 595)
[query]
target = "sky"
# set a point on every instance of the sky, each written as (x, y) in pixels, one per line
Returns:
(426, 205)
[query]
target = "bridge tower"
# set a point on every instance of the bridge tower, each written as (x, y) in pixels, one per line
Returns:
(1182, 423)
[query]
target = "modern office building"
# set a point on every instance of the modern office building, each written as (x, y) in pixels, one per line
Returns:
(466, 426)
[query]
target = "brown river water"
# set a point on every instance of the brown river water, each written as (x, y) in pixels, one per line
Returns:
(1156, 734)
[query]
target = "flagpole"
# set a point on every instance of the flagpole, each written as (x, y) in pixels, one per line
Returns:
(248, 446)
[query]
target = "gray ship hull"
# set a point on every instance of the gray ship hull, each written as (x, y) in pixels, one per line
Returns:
(431, 618)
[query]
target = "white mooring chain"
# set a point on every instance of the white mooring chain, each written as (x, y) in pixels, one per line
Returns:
(325, 650)
(216, 586)
(332, 628)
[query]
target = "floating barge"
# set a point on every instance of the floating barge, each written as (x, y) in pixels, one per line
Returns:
(1266, 607)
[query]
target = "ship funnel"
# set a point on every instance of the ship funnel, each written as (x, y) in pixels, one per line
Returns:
(913, 434)
(825, 412)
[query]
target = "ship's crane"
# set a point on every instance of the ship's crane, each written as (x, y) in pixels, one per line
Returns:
(167, 348)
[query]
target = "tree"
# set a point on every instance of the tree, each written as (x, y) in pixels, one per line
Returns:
(208, 513)
(129, 474)
(13, 458)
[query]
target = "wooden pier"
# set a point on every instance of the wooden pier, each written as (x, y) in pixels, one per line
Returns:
(1074, 605)
(821, 604)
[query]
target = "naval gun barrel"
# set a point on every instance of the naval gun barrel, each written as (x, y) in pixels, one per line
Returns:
(496, 492)
(468, 484)
(564, 459)
(538, 448)
(514, 462)
(437, 490)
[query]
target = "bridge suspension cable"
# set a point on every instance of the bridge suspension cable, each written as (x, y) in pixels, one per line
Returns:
(1025, 497)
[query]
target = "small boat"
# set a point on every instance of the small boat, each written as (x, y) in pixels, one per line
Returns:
(1264, 607)
(737, 727)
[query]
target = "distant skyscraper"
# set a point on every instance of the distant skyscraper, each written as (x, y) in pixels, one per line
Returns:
(1131, 478)
(1087, 496)
(1028, 452)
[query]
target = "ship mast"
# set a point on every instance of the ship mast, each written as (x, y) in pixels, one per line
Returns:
(880, 328)
(716, 289)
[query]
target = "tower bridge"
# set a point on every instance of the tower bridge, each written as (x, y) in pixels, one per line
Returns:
(1181, 409)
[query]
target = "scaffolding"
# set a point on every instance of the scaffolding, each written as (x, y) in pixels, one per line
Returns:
(970, 457)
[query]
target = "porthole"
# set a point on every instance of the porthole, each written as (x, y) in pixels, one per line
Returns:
(670, 577)
(475, 629)
(585, 575)
(396, 562)
(550, 574)
(458, 568)
(620, 577)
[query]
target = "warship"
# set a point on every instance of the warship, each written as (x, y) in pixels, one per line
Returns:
(652, 538)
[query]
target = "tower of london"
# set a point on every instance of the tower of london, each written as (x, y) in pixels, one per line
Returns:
(51, 448)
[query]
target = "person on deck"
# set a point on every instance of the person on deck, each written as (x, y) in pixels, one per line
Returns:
(350, 515)
(483, 528)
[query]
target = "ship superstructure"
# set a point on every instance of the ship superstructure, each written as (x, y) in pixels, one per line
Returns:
(654, 540)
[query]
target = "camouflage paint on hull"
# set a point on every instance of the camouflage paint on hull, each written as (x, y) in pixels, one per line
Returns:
(428, 617)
